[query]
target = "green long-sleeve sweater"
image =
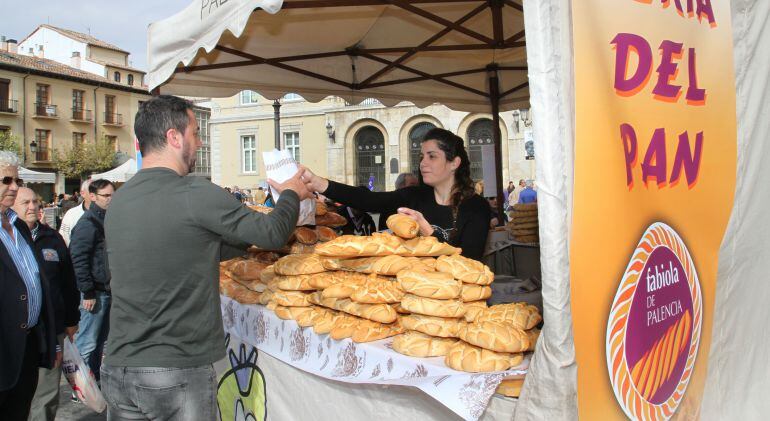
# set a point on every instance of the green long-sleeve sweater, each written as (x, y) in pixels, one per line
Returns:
(166, 235)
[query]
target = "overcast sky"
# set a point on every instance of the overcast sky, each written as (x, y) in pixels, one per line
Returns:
(123, 24)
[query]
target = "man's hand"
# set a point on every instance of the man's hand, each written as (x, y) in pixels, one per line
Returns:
(70, 331)
(425, 228)
(313, 182)
(294, 184)
(88, 305)
(57, 363)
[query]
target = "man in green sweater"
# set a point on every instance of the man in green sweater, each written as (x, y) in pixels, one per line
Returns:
(166, 234)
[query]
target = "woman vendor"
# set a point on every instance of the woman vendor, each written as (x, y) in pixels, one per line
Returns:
(444, 204)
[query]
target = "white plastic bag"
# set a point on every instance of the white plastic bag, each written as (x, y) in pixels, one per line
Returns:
(80, 378)
(281, 166)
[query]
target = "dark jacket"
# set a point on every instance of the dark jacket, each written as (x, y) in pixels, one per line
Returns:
(57, 268)
(89, 253)
(13, 316)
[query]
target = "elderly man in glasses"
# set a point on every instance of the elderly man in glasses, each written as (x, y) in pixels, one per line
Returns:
(27, 325)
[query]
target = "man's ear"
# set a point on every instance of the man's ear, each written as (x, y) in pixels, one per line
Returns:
(173, 138)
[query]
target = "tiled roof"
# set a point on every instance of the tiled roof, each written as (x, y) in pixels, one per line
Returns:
(52, 68)
(85, 38)
(119, 66)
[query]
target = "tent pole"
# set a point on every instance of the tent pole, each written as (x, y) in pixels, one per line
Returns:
(277, 123)
(494, 98)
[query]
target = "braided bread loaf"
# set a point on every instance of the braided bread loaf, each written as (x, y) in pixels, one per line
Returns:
(298, 264)
(425, 247)
(494, 336)
(429, 284)
(294, 283)
(431, 325)
(378, 244)
(519, 315)
(419, 345)
(473, 292)
(431, 307)
(465, 357)
(467, 270)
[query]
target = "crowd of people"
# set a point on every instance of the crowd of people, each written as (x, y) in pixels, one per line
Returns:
(130, 275)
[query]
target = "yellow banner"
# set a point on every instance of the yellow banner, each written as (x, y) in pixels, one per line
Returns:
(655, 161)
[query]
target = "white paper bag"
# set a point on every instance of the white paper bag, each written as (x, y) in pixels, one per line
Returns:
(80, 377)
(280, 166)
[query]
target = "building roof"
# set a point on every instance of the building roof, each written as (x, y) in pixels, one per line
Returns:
(54, 69)
(119, 66)
(78, 36)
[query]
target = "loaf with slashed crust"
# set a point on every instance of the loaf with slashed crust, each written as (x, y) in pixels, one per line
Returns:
(325, 233)
(467, 270)
(495, 336)
(429, 284)
(403, 226)
(473, 309)
(290, 313)
(331, 219)
(473, 292)
(294, 283)
(298, 264)
(306, 235)
(432, 307)
(378, 292)
(237, 291)
(378, 244)
(434, 326)
(291, 298)
(420, 345)
(368, 331)
(466, 357)
(426, 247)
(519, 315)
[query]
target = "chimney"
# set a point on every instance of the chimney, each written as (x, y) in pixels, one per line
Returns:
(3, 43)
(13, 46)
(75, 59)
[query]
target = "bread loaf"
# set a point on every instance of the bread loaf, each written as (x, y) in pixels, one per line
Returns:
(237, 291)
(343, 327)
(473, 309)
(302, 264)
(265, 297)
(291, 298)
(290, 313)
(419, 345)
(331, 219)
(306, 235)
(267, 257)
(385, 265)
(378, 244)
(473, 292)
(382, 313)
(426, 246)
(367, 331)
(403, 226)
(498, 337)
(299, 248)
(534, 335)
(325, 233)
(294, 283)
(378, 292)
(267, 274)
(320, 208)
(467, 270)
(465, 357)
(307, 318)
(519, 315)
(325, 279)
(246, 269)
(254, 285)
(429, 284)
(399, 309)
(431, 307)
(324, 322)
(433, 326)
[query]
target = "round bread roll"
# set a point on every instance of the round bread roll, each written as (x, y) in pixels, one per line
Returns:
(467, 270)
(420, 345)
(432, 307)
(494, 336)
(465, 357)
(431, 325)
(473, 292)
(403, 226)
(473, 309)
(429, 284)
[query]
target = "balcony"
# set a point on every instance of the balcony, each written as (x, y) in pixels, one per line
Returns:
(81, 115)
(42, 154)
(43, 110)
(112, 119)
(10, 106)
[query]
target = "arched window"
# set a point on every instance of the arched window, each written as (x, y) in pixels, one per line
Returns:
(370, 157)
(130, 80)
(117, 76)
(479, 135)
(415, 138)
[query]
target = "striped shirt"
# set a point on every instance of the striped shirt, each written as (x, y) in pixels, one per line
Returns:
(24, 259)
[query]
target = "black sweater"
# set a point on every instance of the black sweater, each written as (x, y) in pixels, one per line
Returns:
(473, 214)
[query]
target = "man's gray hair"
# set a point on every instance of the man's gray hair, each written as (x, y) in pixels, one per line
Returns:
(529, 183)
(401, 179)
(9, 159)
(84, 185)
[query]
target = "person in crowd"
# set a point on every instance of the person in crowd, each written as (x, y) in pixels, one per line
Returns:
(27, 325)
(269, 202)
(89, 257)
(528, 195)
(444, 204)
(405, 179)
(495, 220)
(238, 194)
(259, 196)
(73, 215)
(164, 253)
(57, 269)
(479, 187)
(507, 193)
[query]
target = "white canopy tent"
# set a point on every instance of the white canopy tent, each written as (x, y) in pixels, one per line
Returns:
(293, 51)
(30, 176)
(119, 174)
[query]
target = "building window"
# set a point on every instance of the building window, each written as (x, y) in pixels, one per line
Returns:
(292, 97)
(117, 77)
(249, 97)
(6, 105)
(370, 158)
(479, 136)
(111, 115)
(249, 154)
(112, 141)
(78, 105)
(416, 134)
(130, 79)
(43, 106)
(78, 139)
(43, 141)
(291, 144)
(203, 159)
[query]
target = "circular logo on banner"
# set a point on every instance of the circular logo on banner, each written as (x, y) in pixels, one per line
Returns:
(654, 326)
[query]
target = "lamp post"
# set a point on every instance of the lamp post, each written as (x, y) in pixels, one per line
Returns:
(33, 150)
(330, 131)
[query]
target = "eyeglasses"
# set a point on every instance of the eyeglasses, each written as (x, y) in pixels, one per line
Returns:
(8, 180)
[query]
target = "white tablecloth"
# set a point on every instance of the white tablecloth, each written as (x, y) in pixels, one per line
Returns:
(465, 394)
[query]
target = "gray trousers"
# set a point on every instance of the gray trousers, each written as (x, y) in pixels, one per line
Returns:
(45, 403)
(162, 393)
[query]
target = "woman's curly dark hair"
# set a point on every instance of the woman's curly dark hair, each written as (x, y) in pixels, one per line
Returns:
(454, 146)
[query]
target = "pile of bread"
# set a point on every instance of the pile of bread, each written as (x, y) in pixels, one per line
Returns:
(372, 287)
(523, 224)
(304, 238)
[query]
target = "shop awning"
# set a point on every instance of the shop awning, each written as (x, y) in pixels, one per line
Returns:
(120, 174)
(30, 176)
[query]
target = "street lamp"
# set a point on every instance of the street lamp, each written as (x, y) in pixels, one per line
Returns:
(330, 131)
(33, 147)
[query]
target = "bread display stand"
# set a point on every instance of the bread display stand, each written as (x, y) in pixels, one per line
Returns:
(291, 348)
